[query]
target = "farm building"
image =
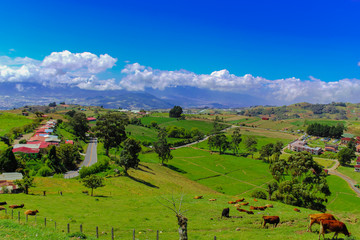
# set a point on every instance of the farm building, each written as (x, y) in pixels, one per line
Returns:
(6, 181)
(357, 168)
(300, 146)
(69, 141)
(331, 148)
(25, 113)
(358, 161)
(264, 118)
(346, 140)
(90, 119)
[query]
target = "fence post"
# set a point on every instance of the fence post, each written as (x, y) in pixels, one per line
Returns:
(81, 228)
(157, 234)
(19, 217)
(45, 222)
(68, 227)
(12, 213)
(112, 233)
(134, 234)
(214, 237)
(97, 232)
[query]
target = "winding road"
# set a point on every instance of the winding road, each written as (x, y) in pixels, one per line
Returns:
(90, 159)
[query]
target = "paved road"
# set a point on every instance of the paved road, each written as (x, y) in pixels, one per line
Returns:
(90, 159)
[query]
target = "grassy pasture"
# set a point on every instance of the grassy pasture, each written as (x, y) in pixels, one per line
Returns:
(349, 171)
(10, 120)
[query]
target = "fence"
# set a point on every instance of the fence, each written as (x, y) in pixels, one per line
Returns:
(45, 223)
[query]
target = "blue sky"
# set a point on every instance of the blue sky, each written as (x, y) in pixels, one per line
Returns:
(269, 39)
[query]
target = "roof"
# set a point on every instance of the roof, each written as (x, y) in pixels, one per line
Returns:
(52, 139)
(37, 139)
(44, 144)
(330, 149)
(91, 119)
(27, 145)
(26, 150)
(357, 166)
(69, 141)
(10, 176)
(346, 139)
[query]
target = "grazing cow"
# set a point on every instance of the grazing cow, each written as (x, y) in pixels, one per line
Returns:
(315, 218)
(198, 197)
(262, 208)
(212, 199)
(250, 212)
(16, 206)
(3, 203)
(254, 208)
(2, 208)
(225, 213)
(240, 200)
(255, 200)
(244, 203)
(296, 210)
(241, 210)
(31, 212)
(231, 202)
(237, 205)
(269, 205)
(271, 220)
(328, 226)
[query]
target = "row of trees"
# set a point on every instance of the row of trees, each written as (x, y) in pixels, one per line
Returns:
(322, 130)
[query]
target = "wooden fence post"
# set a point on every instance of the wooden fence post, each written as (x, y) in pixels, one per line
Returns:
(112, 233)
(157, 234)
(214, 237)
(45, 222)
(134, 234)
(68, 227)
(97, 232)
(19, 217)
(81, 228)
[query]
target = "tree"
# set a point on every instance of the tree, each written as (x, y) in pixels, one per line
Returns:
(236, 140)
(68, 156)
(93, 182)
(80, 125)
(6, 140)
(250, 145)
(53, 161)
(8, 161)
(25, 183)
(162, 148)
(70, 113)
(39, 114)
(175, 112)
(266, 151)
(219, 141)
(129, 156)
(271, 188)
(278, 146)
(110, 129)
(196, 134)
(345, 156)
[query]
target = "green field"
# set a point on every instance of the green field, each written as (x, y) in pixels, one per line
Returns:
(349, 171)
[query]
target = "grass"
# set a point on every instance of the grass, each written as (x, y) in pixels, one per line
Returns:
(349, 171)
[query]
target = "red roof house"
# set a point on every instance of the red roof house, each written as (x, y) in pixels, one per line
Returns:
(26, 150)
(69, 141)
(91, 119)
(346, 140)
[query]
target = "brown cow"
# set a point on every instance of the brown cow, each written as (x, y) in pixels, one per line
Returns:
(244, 203)
(255, 200)
(198, 197)
(254, 208)
(212, 199)
(262, 208)
(296, 210)
(328, 226)
(269, 205)
(271, 220)
(241, 210)
(16, 206)
(231, 202)
(31, 212)
(2, 208)
(240, 200)
(315, 218)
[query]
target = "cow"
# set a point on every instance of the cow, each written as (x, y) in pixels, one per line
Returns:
(240, 200)
(31, 212)
(16, 206)
(255, 200)
(271, 220)
(212, 199)
(241, 210)
(262, 208)
(315, 218)
(254, 208)
(231, 202)
(250, 212)
(269, 205)
(3, 203)
(225, 213)
(296, 210)
(2, 208)
(198, 197)
(328, 226)
(244, 203)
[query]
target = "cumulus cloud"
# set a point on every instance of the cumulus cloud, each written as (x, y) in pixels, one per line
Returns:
(59, 68)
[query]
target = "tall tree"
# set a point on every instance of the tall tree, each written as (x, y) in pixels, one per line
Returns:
(219, 141)
(266, 151)
(250, 145)
(175, 112)
(129, 156)
(80, 124)
(8, 161)
(93, 182)
(25, 183)
(162, 148)
(110, 129)
(68, 156)
(345, 156)
(236, 140)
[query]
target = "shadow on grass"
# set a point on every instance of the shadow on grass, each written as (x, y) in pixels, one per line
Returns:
(102, 196)
(142, 181)
(141, 169)
(176, 169)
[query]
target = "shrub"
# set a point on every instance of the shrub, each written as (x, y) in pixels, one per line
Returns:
(22, 141)
(78, 235)
(258, 194)
(44, 171)
(101, 165)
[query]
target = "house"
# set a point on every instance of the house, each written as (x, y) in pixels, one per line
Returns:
(331, 148)
(358, 148)
(69, 142)
(90, 119)
(10, 176)
(346, 140)
(264, 118)
(358, 161)
(26, 148)
(25, 113)
(300, 146)
(357, 168)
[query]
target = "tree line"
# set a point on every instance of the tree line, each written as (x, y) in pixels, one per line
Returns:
(323, 130)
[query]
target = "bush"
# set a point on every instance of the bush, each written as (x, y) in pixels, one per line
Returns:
(101, 165)
(22, 141)
(78, 235)
(45, 172)
(259, 194)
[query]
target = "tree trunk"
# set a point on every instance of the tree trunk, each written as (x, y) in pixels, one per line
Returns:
(26, 190)
(182, 222)
(92, 191)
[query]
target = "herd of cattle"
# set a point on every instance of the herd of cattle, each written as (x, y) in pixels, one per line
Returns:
(327, 221)
(27, 212)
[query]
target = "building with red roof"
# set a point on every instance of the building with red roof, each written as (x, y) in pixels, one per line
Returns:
(346, 140)
(69, 141)
(91, 119)
(26, 150)
(357, 168)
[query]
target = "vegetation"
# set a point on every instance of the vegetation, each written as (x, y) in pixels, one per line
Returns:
(8, 162)
(219, 141)
(129, 157)
(345, 156)
(162, 148)
(79, 123)
(175, 112)
(250, 144)
(93, 182)
(317, 129)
